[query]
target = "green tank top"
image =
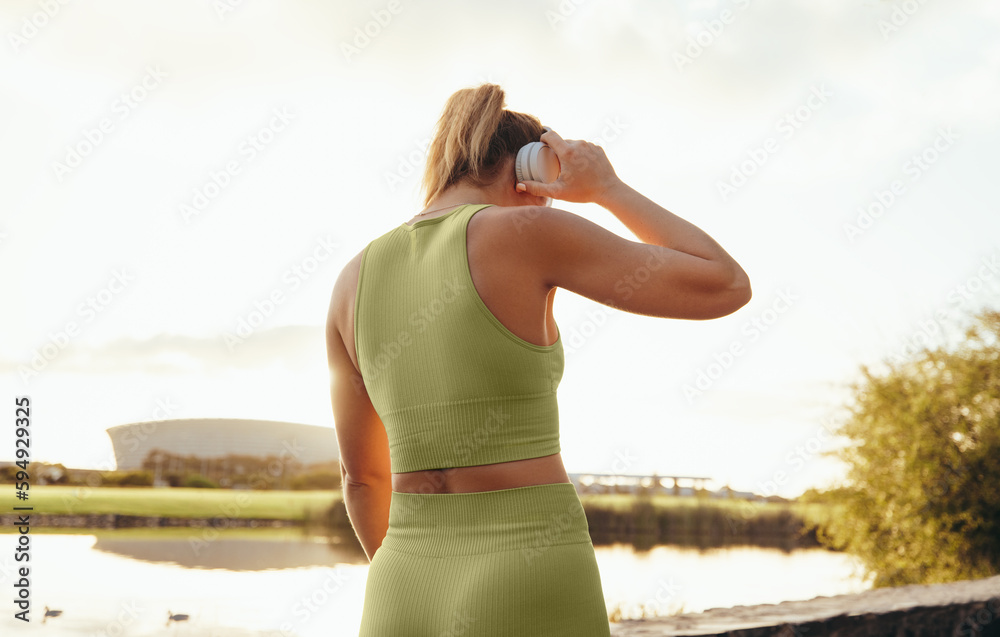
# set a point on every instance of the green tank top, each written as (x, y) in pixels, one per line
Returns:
(453, 386)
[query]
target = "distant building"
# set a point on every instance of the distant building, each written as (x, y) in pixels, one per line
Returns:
(213, 438)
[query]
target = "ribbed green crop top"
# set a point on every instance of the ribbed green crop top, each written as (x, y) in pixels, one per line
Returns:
(453, 386)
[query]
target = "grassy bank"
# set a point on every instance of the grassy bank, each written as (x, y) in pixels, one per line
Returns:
(179, 502)
(658, 519)
(700, 522)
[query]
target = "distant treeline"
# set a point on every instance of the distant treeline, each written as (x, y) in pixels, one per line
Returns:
(244, 472)
(703, 524)
(645, 522)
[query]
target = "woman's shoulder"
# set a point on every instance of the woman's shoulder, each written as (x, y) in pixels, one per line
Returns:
(344, 289)
(509, 220)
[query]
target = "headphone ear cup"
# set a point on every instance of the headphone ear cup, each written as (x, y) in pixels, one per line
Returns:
(519, 163)
(545, 165)
(535, 161)
(524, 162)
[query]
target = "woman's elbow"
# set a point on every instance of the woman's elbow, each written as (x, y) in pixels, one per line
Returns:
(738, 294)
(743, 293)
(364, 480)
(723, 301)
(739, 290)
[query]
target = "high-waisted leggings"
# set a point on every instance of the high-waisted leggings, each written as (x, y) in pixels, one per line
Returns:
(509, 563)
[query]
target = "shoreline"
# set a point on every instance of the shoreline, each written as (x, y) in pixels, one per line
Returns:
(641, 525)
(970, 607)
(106, 521)
(936, 609)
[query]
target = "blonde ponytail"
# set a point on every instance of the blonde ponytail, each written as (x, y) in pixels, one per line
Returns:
(473, 139)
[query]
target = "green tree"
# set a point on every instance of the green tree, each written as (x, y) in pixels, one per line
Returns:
(131, 479)
(316, 480)
(199, 482)
(922, 503)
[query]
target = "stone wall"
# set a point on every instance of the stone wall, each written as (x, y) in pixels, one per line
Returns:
(970, 608)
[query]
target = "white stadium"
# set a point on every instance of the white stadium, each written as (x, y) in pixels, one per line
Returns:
(219, 437)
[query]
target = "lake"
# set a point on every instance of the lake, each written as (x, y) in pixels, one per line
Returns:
(281, 582)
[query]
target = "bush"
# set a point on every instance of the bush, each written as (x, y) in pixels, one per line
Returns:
(316, 480)
(922, 504)
(199, 482)
(131, 479)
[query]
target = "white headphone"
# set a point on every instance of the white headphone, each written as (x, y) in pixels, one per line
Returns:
(536, 162)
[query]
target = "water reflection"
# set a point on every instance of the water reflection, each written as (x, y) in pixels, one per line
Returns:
(108, 594)
(235, 551)
(669, 580)
(282, 583)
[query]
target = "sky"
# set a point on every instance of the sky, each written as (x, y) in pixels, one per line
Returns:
(181, 183)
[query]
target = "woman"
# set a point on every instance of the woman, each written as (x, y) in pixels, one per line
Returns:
(445, 359)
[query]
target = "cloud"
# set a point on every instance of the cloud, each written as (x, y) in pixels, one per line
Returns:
(293, 346)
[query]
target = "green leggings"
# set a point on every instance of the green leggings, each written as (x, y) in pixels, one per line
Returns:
(509, 563)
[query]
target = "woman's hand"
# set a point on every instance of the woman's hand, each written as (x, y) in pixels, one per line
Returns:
(585, 176)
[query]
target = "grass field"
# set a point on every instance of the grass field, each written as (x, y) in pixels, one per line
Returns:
(178, 502)
(621, 501)
(613, 513)
(810, 512)
(703, 522)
